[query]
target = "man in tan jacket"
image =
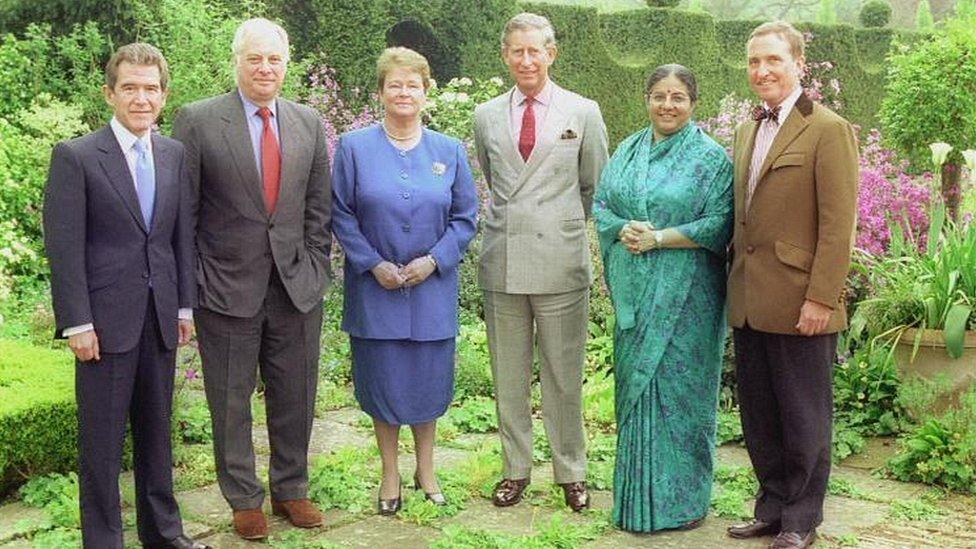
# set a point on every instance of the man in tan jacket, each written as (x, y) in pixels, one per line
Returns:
(542, 149)
(796, 173)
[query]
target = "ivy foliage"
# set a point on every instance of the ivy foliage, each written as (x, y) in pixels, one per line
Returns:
(929, 93)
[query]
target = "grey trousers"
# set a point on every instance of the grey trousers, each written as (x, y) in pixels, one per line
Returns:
(283, 344)
(556, 323)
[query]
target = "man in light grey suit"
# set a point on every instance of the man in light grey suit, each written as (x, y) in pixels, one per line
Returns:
(261, 202)
(542, 149)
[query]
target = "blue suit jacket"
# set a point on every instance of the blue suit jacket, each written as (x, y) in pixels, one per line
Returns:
(103, 258)
(397, 205)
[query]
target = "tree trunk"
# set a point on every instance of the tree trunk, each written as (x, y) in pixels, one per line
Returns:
(950, 189)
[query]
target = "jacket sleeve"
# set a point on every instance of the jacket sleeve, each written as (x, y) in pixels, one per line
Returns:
(183, 241)
(462, 222)
(836, 173)
(318, 203)
(593, 156)
(360, 253)
(65, 226)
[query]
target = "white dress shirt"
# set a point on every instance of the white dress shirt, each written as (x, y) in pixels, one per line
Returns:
(539, 108)
(127, 141)
(768, 129)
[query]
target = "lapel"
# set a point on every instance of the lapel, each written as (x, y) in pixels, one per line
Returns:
(509, 148)
(165, 177)
(794, 125)
(238, 138)
(291, 142)
(745, 141)
(117, 169)
(556, 117)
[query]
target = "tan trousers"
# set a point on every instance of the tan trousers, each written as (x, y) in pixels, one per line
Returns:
(557, 324)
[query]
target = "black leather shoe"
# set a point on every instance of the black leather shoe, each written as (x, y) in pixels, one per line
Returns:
(754, 529)
(389, 507)
(180, 542)
(794, 540)
(437, 498)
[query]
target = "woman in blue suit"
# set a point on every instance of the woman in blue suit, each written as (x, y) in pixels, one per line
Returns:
(404, 208)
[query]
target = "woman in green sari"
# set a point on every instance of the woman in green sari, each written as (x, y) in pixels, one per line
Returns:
(663, 210)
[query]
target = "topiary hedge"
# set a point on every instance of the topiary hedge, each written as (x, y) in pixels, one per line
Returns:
(38, 415)
(875, 13)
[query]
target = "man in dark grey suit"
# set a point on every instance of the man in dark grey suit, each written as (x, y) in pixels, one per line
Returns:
(117, 236)
(261, 200)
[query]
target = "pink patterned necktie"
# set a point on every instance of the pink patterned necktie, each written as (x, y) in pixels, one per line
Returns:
(527, 136)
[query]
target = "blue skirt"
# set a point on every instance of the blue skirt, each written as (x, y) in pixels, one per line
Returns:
(403, 382)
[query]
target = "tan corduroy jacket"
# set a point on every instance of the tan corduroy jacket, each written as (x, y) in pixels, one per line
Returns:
(794, 242)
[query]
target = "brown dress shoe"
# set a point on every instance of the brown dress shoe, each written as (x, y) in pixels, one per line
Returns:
(753, 529)
(794, 540)
(575, 494)
(300, 512)
(509, 491)
(250, 524)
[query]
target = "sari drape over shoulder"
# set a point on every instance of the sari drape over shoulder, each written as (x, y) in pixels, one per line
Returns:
(670, 326)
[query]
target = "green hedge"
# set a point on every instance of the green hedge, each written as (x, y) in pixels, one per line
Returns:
(38, 415)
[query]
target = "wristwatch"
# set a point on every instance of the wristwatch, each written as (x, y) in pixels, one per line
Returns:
(658, 240)
(433, 261)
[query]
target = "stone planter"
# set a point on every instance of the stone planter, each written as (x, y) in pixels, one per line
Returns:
(932, 362)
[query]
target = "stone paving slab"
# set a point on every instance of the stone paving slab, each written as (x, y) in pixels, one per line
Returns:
(17, 519)
(381, 532)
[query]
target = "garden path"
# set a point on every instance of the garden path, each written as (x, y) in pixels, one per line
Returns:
(875, 512)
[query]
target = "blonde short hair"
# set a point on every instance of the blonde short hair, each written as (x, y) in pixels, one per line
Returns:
(529, 21)
(138, 53)
(402, 58)
(257, 26)
(787, 32)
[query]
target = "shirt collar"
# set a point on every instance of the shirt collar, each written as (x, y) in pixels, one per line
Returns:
(543, 97)
(787, 105)
(251, 109)
(126, 138)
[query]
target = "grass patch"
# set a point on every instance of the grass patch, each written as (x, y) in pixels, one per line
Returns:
(557, 532)
(194, 466)
(734, 486)
(914, 510)
(843, 487)
(346, 479)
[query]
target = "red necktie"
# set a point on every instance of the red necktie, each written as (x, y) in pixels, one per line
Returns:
(527, 136)
(270, 161)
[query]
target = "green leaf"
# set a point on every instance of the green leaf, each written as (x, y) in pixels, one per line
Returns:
(935, 227)
(955, 328)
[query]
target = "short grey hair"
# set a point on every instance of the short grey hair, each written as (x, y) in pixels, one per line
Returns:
(529, 21)
(257, 26)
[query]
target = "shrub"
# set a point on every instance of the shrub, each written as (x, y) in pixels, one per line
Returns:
(473, 374)
(875, 13)
(866, 391)
(663, 3)
(38, 415)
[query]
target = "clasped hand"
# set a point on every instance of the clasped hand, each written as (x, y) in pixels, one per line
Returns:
(391, 276)
(637, 236)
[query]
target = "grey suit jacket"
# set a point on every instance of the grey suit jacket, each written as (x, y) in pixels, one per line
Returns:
(535, 228)
(237, 242)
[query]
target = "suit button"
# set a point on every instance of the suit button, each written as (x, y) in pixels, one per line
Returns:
(403, 175)
(406, 228)
(538, 235)
(750, 249)
(403, 154)
(145, 275)
(406, 196)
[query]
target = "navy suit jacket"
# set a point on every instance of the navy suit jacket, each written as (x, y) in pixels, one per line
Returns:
(396, 206)
(103, 259)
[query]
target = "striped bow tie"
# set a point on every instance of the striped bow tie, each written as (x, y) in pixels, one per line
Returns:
(760, 113)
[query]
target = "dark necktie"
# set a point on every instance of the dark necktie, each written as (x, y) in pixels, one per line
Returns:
(527, 136)
(760, 113)
(145, 182)
(270, 161)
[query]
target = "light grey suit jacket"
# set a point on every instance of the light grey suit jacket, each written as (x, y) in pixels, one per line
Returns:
(535, 229)
(237, 242)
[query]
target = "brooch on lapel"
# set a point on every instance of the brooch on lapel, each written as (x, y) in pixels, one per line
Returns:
(439, 168)
(568, 134)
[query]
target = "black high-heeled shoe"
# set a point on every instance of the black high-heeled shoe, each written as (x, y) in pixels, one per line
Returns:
(389, 507)
(436, 498)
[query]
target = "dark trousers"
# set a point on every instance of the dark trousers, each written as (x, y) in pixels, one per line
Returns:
(135, 385)
(283, 344)
(786, 400)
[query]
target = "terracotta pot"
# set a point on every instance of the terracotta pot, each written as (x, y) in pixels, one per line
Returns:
(932, 362)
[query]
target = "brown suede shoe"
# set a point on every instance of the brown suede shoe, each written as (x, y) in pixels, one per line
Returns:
(575, 494)
(300, 512)
(250, 524)
(509, 491)
(794, 540)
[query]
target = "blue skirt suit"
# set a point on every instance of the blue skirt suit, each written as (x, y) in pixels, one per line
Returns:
(394, 205)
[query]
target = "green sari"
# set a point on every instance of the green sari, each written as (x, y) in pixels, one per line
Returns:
(670, 327)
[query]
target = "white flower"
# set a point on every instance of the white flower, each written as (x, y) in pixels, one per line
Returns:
(940, 151)
(970, 157)
(496, 80)
(465, 81)
(448, 97)
(463, 97)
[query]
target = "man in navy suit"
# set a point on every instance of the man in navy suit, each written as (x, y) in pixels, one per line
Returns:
(121, 252)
